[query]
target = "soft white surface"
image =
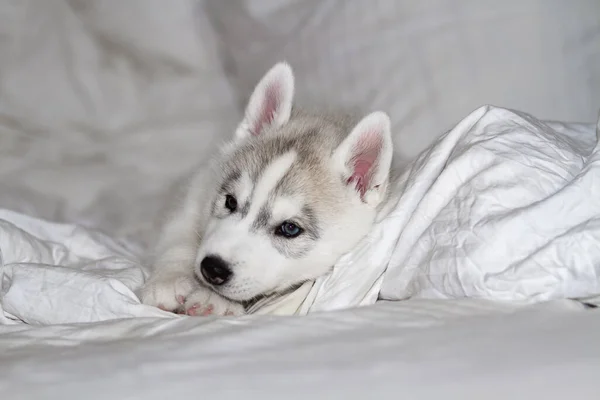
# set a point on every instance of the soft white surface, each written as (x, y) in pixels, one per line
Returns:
(510, 211)
(417, 350)
(502, 207)
(466, 348)
(426, 62)
(103, 104)
(56, 273)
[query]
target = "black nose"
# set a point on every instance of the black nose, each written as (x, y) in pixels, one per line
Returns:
(215, 270)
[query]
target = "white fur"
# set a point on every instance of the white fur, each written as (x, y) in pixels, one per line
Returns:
(245, 188)
(233, 240)
(270, 177)
(286, 208)
(200, 225)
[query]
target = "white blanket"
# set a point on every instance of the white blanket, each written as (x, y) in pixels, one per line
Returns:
(503, 207)
(419, 349)
(56, 273)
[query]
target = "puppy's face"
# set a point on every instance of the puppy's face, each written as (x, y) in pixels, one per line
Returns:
(294, 195)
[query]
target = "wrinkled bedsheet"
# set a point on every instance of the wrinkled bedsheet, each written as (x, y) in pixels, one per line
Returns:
(54, 273)
(421, 349)
(502, 207)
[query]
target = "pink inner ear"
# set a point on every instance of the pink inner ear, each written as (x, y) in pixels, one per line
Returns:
(364, 156)
(269, 107)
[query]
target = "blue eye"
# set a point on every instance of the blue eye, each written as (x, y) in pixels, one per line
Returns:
(288, 229)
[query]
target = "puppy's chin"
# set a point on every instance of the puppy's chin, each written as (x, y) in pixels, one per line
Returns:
(225, 295)
(232, 299)
(247, 299)
(271, 294)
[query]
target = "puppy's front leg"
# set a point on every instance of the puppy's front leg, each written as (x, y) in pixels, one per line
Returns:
(170, 284)
(172, 278)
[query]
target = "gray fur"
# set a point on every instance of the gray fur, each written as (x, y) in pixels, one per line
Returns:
(313, 137)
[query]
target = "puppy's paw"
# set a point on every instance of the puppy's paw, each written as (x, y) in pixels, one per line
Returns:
(205, 302)
(168, 293)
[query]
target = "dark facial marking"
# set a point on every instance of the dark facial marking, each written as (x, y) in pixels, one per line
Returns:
(299, 246)
(246, 208)
(228, 184)
(262, 218)
(309, 223)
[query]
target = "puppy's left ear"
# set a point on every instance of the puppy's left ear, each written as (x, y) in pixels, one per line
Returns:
(365, 156)
(270, 105)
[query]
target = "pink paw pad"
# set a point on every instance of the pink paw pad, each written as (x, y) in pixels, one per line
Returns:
(208, 310)
(180, 299)
(193, 310)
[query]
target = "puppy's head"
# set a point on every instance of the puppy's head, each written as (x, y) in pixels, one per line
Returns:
(295, 192)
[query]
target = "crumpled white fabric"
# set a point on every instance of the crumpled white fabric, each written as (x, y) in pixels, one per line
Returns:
(502, 207)
(511, 211)
(58, 273)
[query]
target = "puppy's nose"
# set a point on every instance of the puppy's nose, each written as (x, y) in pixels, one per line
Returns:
(215, 270)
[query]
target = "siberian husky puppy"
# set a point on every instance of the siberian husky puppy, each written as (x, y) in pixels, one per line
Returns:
(291, 193)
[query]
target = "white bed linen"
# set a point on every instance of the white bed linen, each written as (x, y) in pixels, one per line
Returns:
(59, 273)
(103, 103)
(426, 62)
(416, 350)
(503, 206)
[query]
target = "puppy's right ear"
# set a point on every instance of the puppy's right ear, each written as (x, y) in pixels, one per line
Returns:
(270, 105)
(365, 156)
